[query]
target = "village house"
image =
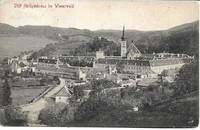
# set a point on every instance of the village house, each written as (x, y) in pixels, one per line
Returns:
(62, 96)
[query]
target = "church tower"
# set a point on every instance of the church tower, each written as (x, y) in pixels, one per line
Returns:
(123, 44)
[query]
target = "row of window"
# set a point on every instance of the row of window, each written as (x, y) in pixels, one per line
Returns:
(137, 67)
(166, 63)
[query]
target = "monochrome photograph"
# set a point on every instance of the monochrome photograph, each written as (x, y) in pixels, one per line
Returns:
(99, 63)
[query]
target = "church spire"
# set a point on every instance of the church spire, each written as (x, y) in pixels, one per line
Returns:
(123, 38)
(123, 44)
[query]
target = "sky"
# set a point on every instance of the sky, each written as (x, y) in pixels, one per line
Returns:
(101, 14)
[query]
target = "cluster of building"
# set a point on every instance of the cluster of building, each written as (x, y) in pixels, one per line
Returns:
(131, 62)
(125, 69)
(21, 63)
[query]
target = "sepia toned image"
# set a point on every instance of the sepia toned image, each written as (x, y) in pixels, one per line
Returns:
(99, 63)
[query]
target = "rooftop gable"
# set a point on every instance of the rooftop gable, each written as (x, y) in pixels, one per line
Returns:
(133, 49)
(63, 93)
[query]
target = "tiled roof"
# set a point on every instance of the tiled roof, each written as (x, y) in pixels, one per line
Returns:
(133, 49)
(76, 58)
(169, 61)
(63, 93)
(144, 72)
(123, 61)
(58, 70)
(48, 61)
(142, 62)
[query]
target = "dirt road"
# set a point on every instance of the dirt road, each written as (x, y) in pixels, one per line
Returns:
(33, 109)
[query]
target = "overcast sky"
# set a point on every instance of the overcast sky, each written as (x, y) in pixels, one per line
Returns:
(101, 14)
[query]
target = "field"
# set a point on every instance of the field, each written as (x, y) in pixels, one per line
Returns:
(22, 95)
(13, 45)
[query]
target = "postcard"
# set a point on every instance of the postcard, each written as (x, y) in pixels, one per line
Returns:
(99, 63)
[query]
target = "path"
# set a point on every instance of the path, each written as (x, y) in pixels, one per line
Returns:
(33, 109)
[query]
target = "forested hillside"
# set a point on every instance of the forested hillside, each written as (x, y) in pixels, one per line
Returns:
(66, 41)
(180, 39)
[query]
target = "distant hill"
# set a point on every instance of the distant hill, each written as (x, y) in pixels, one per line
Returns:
(7, 29)
(13, 45)
(180, 39)
(13, 40)
(52, 32)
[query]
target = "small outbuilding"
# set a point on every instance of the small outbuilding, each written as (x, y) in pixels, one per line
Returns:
(62, 96)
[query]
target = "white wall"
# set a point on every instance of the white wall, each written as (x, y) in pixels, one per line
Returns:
(123, 48)
(159, 69)
(61, 99)
(100, 54)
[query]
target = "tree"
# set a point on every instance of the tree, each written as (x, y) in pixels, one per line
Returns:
(6, 94)
(164, 73)
(51, 114)
(5, 90)
(120, 67)
(98, 85)
(187, 80)
(109, 47)
(5, 61)
(78, 92)
(56, 79)
(13, 117)
(92, 108)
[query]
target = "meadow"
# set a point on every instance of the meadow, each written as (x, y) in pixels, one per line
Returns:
(23, 95)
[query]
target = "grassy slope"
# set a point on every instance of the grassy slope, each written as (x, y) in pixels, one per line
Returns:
(178, 113)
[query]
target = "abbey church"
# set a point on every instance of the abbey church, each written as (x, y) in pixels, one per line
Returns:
(144, 65)
(130, 52)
